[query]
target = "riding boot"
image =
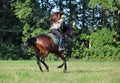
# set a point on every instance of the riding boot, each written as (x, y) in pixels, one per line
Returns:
(60, 45)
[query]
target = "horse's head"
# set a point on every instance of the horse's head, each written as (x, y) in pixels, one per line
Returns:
(70, 31)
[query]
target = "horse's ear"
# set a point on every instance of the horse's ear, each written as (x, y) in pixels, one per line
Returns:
(73, 24)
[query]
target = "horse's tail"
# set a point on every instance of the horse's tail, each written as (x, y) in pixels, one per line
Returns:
(29, 42)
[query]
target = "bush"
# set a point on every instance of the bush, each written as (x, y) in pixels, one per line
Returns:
(9, 51)
(102, 46)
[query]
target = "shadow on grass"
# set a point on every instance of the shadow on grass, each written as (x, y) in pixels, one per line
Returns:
(89, 71)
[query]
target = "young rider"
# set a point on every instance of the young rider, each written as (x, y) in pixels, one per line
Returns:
(56, 22)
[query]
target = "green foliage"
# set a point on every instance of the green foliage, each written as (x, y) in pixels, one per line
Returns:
(106, 4)
(14, 52)
(34, 20)
(84, 36)
(26, 32)
(23, 9)
(117, 3)
(10, 51)
(21, 19)
(102, 46)
(102, 37)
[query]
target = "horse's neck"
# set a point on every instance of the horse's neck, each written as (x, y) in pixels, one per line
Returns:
(66, 35)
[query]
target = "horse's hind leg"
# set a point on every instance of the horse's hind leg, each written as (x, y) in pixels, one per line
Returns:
(44, 53)
(38, 57)
(61, 65)
(46, 66)
(43, 62)
(39, 65)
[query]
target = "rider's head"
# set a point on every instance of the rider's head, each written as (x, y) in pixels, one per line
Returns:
(56, 16)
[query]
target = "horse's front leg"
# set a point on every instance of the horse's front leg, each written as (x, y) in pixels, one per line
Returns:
(65, 66)
(64, 63)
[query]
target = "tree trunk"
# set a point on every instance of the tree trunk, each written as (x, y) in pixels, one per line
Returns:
(83, 18)
(103, 19)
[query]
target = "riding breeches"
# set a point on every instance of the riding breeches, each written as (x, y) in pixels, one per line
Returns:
(57, 33)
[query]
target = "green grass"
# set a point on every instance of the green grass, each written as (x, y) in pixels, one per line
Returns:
(78, 72)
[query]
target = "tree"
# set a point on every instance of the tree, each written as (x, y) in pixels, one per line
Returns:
(105, 4)
(20, 19)
(33, 18)
(117, 16)
(9, 30)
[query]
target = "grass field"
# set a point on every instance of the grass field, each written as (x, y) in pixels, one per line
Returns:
(78, 72)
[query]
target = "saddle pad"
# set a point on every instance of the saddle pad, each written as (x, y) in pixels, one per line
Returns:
(54, 38)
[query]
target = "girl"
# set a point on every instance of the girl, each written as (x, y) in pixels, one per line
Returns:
(56, 22)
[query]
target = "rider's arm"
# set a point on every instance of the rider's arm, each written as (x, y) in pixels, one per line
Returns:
(60, 23)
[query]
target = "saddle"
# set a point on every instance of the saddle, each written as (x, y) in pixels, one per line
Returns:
(54, 38)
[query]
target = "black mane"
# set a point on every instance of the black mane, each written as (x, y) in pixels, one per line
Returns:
(64, 28)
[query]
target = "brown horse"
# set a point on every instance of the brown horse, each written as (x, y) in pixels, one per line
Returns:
(43, 44)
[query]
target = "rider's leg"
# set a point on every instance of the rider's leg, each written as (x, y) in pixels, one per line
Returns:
(59, 35)
(61, 47)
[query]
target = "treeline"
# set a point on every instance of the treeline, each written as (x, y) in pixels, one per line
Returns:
(97, 27)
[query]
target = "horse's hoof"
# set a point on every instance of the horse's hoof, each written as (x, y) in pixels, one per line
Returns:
(42, 71)
(65, 71)
(48, 70)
